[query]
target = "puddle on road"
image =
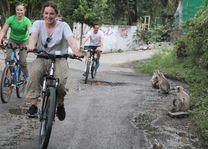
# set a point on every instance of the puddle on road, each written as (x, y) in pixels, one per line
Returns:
(18, 111)
(105, 83)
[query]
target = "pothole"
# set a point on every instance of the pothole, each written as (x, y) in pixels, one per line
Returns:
(144, 120)
(105, 83)
(18, 111)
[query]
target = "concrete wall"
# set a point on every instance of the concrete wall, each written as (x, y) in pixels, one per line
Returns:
(115, 37)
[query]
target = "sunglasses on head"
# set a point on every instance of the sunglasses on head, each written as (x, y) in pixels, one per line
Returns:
(47, 41)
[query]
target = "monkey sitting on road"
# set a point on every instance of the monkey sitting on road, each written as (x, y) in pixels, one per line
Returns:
(182, 102)
(154, 81)
(163, 83)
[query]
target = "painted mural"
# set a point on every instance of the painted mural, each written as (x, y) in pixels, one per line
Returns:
(115, 37)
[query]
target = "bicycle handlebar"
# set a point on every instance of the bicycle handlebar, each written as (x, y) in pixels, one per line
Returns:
(10, 46)
(52, 56)
(72, 56)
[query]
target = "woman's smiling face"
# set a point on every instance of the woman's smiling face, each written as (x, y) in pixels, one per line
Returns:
(49, 15)
(20, 10)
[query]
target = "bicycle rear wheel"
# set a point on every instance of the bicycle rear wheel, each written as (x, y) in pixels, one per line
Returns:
(87, 71)
(21, 85)
(6, 84)
(47, 117)
(93, 69)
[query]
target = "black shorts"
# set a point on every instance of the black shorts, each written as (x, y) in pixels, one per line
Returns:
(89, 48)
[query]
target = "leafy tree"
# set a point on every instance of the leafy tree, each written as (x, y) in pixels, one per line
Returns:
(5, 11)
(33, 7)
(85, 11)
(129, 11)
(121, 11)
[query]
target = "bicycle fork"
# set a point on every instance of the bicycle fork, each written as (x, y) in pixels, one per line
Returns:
(49, 81)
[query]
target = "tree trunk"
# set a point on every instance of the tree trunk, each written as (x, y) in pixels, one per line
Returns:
(81, 35)
(5, 9)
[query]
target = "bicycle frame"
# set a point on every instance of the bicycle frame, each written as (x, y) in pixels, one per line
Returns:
(48, 105)
(13, 63)
(12, 76)
(91, 57)
(90, 62)
(48, 81)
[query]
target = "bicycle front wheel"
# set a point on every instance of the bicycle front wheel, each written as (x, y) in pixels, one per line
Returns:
(21, 85)
(93, 69)
(47, 117)
(6, 84)
(87, 71)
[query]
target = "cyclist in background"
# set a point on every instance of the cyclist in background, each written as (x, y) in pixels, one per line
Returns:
(20, 27)
(54, 37)
(96, 37)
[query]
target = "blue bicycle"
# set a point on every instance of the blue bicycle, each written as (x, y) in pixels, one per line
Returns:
(12, 76)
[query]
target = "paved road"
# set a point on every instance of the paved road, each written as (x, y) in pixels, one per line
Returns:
(97, 113)
(117, 110)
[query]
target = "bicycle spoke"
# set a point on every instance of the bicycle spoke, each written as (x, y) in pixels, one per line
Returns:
(21, 85)
(6, 85)
(93, 69)
(87, 71)
(47, 117)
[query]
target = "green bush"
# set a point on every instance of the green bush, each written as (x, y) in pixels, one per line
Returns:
(183, 69)
(187, 61)
(196, 39)
(156, 34)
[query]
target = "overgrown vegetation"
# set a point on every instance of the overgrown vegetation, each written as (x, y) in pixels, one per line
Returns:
(119, 12)
(197, 78)
(158, 33)
(188, 60)
(194, 43)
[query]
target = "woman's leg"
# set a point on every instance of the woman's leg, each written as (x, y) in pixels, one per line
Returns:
(36, 73)
(62, 71)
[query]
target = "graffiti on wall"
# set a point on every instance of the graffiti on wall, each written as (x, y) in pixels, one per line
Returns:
(123, 32)
(77, 30)
(115, 37)
(107, 31)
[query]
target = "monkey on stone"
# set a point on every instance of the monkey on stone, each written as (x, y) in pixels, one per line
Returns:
(182, 101)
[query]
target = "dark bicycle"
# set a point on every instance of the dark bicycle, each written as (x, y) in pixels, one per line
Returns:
(12, 76)
(91, 62)
(48, 102)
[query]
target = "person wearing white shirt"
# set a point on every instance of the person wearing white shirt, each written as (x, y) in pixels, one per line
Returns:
(96, 37)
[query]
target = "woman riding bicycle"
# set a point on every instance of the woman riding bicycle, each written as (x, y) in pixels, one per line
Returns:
(20, 27)
(54, 37)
